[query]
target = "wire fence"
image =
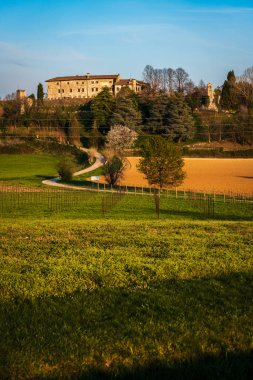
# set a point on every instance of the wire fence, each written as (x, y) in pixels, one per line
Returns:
(229, 197)
(29, 201)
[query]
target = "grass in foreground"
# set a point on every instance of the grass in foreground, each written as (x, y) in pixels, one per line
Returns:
(125, 299)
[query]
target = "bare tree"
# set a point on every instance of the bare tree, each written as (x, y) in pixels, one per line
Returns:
(170, 80)
(181, 77)
(154, 77)
(167, 79)
(189, 87)
(11, 96)
(149, 75)
(247, 75)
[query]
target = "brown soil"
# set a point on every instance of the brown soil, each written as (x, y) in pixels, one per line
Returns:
(205, 175)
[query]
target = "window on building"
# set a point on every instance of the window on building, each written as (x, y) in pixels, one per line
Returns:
(92, 82)
(92, 89)
(59, 91)
(82, 82)
(67, 82)
(57, 83)
(79, 90)
(82, 89)
(96, 81)
(96, 89)
(70, 90)
(62, 90)
(110, 81)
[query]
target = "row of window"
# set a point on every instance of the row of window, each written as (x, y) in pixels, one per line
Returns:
(79, 90)
(92, 82)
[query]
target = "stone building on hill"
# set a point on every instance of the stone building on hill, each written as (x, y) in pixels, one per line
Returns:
(88, 86)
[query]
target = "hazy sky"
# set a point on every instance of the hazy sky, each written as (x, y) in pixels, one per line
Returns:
(41, 39)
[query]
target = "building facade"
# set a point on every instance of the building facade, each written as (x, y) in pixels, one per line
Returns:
(88, 86)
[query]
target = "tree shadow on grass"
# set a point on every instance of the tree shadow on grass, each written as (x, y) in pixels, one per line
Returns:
(231, 366)
(199, 215)
(180, 329)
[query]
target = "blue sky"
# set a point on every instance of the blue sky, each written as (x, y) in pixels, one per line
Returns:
(41, 39)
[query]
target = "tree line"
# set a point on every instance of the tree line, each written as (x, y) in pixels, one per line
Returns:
(170, 106)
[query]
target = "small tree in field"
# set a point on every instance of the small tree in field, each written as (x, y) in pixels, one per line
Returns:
(65, 169)
(114, 168)
(162, 163)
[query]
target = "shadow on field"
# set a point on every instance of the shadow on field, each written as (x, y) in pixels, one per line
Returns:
(42, 177)
(199, 215)
(181, 329)
(233, 366)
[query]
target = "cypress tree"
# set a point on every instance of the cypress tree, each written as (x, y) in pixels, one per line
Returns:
(229, 96)
(40, 93)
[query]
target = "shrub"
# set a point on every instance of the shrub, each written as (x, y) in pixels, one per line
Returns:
(66, 169)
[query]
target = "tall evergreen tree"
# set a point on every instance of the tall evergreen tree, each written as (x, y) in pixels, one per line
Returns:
(229, 95)
(171, 116)
(179, 120)
(40, 93)
(126, 114)
(102, 108)
(157, 121)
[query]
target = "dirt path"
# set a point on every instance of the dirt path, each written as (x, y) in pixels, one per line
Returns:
(99, 162)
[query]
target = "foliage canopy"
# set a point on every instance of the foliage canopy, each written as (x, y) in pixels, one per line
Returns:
(162, 162)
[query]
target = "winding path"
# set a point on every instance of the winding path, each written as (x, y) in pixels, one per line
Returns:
(100, 160)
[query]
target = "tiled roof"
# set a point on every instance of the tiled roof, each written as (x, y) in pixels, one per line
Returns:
(123, 82)
(83, 77)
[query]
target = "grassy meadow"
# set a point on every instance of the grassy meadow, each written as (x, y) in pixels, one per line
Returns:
(27, 169)
(116, 293)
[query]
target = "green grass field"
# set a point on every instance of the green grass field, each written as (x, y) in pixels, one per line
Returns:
(27, 169)
(125, 295)
(116, 293)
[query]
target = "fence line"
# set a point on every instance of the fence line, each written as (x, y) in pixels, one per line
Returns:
(124, 189)
(48, 200)
(173, 193)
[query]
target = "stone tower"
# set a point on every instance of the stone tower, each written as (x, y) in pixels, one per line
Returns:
(21, 94)
(210, 94)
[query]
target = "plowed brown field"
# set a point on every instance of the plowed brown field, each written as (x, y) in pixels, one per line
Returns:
(205, 175)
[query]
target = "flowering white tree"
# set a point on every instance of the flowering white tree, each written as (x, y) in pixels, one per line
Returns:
(120, 138)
